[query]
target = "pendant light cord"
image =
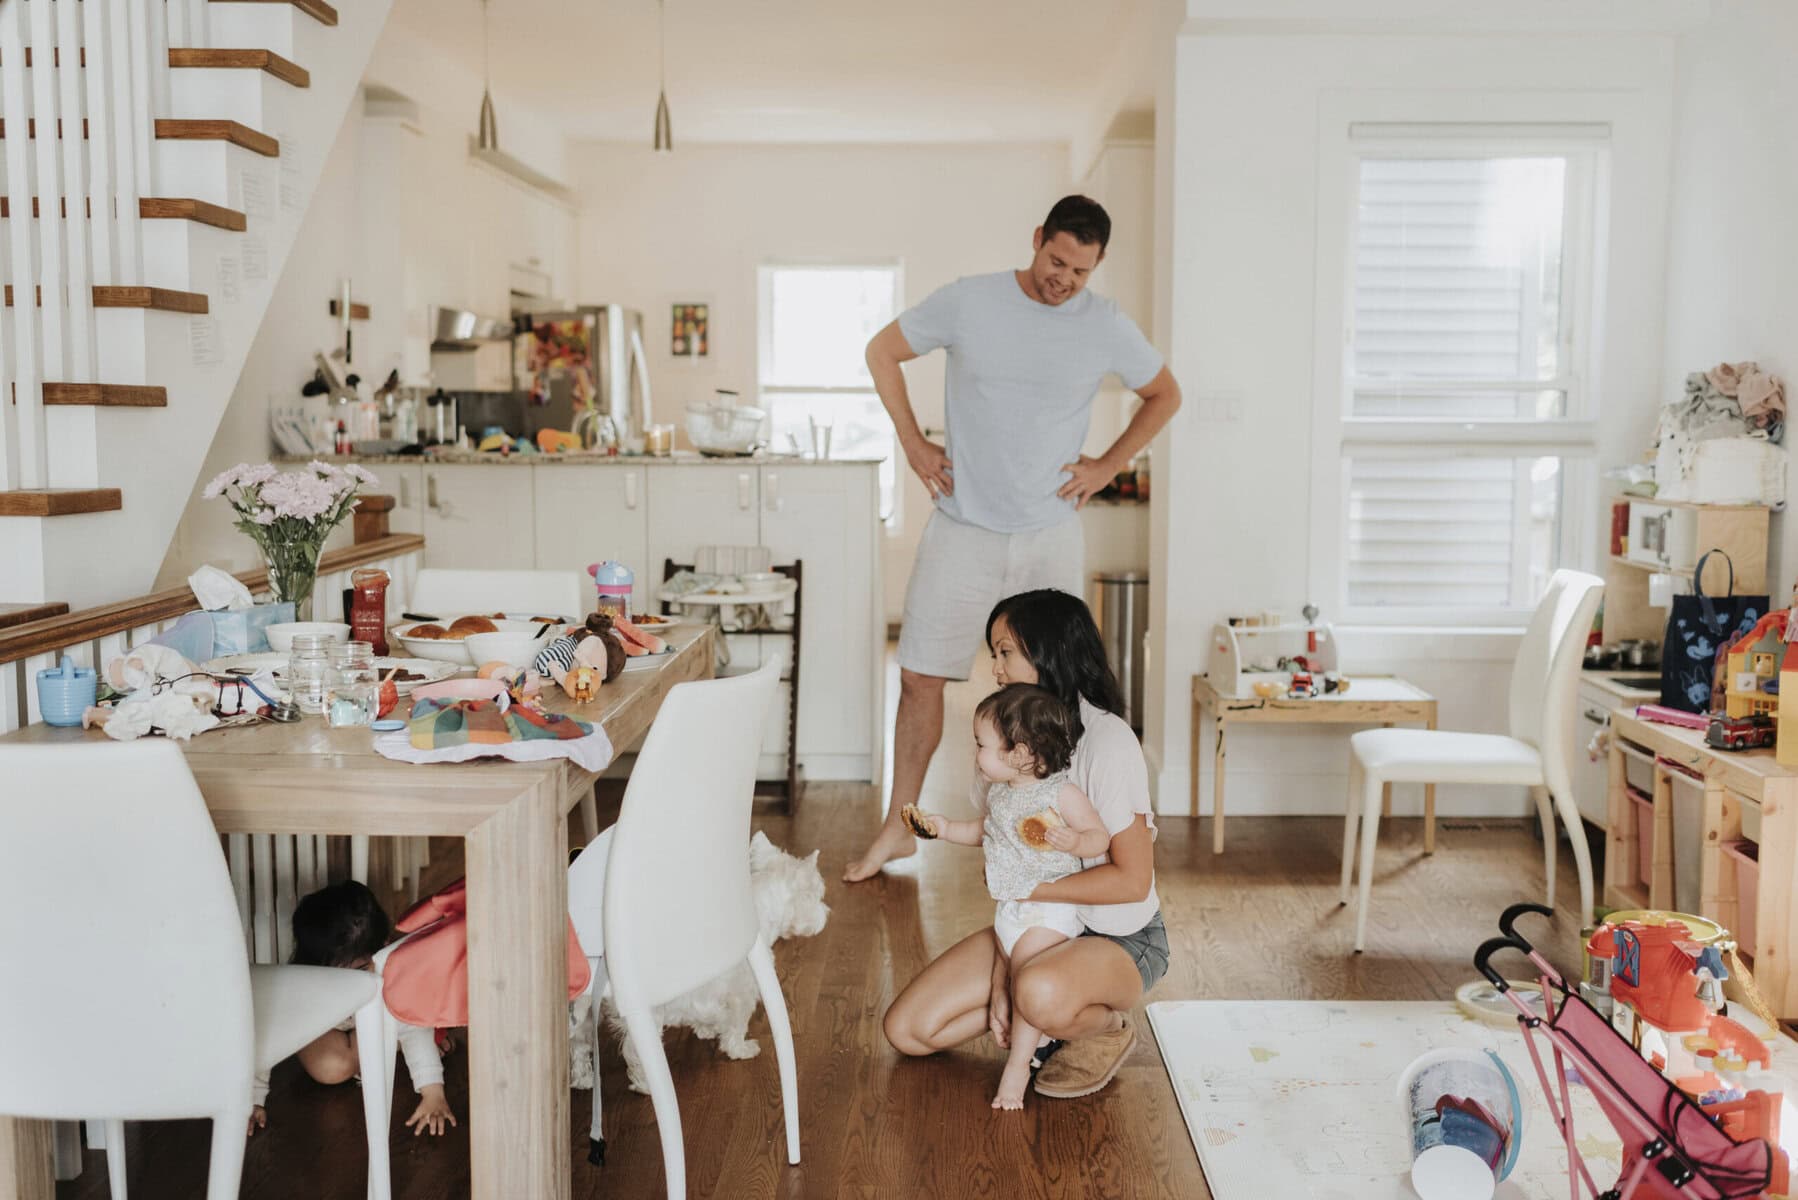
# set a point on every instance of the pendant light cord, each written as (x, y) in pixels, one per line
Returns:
(486, 73)
(661, 44)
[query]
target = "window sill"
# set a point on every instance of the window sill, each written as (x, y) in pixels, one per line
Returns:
(1384, 644)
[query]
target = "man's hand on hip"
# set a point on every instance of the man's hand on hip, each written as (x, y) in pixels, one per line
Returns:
(931, 463)
(1090, 476)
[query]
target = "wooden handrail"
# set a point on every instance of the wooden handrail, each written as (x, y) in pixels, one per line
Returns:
(90, 624)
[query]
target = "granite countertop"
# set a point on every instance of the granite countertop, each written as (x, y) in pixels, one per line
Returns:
(582, 458)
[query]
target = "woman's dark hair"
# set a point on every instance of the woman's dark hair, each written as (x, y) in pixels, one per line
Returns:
(1057, 634)
(1036, 719)
(337, 925)
(1081, 216)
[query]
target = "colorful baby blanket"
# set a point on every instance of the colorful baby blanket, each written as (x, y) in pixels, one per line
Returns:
(438, 724)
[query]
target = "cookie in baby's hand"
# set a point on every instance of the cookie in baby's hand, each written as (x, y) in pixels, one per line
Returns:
(1034, 829)
(916, 821)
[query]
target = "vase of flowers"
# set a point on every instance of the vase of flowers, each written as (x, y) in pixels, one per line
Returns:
(289, 515)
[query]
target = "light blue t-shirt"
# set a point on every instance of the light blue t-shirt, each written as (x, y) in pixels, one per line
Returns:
(1019, 391)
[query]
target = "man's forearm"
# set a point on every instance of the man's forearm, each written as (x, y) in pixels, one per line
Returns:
(889, 384)
(1155, 413)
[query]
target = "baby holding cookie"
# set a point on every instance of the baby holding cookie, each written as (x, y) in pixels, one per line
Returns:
(1038, 827)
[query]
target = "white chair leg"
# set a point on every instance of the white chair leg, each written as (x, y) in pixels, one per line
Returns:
(115, 1157)
(1371, 796)
(96, 1134)
(590, 815)
(596, 1137)
(646, 1036)
(224, 1173)
(1582, 854)
(359, 857)
(761, 961)
(1351, 819)
(1545, 813)
(377, 1098)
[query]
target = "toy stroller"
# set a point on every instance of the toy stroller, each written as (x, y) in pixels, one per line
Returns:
(1672, 1150)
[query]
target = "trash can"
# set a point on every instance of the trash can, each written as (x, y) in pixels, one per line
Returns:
(1120, 603)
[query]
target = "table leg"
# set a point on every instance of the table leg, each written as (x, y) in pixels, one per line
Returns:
(1217, 791)
(25, 1158)
(1386, 791)
(1198, 713)
(518, 999)
(1429, 802)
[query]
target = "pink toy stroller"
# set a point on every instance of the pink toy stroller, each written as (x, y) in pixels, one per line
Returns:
(1671, 1149)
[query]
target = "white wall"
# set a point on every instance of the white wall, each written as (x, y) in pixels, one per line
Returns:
(695, 225)
(403, 214)
(1732, 272)
(1232, 500)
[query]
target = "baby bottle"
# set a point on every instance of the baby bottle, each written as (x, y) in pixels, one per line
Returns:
(614, 581)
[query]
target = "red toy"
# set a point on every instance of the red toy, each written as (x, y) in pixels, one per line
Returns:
(1740, 733)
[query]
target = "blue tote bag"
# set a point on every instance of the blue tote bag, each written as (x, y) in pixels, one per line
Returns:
(1698, 627)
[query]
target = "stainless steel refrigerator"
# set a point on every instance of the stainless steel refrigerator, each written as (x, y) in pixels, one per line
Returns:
(589, 359)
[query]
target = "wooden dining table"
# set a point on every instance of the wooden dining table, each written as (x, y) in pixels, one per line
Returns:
(307, 778)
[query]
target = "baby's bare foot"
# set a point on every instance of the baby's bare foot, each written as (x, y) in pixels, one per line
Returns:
(1012, 1086)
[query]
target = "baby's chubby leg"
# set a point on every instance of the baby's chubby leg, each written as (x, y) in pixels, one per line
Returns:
(1025, 1038)
(331, 1058)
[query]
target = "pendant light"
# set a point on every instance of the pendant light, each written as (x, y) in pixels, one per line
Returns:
(489, 133)
(664, 132)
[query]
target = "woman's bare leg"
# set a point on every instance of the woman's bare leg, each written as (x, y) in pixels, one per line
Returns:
(946, 1004)
(1025, 1037)
(1076, 989)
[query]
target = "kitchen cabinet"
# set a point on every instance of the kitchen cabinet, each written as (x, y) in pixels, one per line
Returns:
(585, 515)
(406, 484)
(478, 516)
(694, 506)
(822, 516)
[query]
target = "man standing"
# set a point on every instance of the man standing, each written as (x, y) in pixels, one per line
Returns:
(1027, 351)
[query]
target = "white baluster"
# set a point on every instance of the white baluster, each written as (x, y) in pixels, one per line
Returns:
(140, 114)
(52, 278)
(27, 458)
(102, 242)
(130, 137)
(158, 56)
(73, 209)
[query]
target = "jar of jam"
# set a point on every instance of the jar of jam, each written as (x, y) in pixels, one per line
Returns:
(368, 608)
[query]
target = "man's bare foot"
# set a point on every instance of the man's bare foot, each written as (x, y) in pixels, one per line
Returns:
(889, 845)
(1011, 1087)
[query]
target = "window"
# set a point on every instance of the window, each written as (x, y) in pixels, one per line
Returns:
(1457, 424)
(815, 323)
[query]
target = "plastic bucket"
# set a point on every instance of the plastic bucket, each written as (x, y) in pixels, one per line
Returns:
(1465, 1122)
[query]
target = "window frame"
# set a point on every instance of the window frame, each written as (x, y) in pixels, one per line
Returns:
(1338, 436)
(892, 519)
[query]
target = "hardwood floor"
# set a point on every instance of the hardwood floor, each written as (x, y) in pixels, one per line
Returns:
(1261, 922)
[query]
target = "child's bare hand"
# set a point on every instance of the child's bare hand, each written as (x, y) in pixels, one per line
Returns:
(432, 1111)
(258, 1120)
(1061, 837)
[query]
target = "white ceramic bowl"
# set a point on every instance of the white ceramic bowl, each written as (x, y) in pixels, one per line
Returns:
(762, 581)
(515, 649)
(280, 636)
(453, 650)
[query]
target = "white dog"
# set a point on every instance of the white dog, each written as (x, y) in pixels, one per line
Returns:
(789, 900)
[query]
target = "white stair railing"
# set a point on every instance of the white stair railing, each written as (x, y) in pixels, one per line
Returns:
(81, 87)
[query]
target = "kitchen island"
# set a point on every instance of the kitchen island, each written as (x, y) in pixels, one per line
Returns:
(564, 511)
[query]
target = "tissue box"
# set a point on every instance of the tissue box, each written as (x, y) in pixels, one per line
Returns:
(242, 631)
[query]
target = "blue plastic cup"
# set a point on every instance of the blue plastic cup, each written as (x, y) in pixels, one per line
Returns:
(65, 692)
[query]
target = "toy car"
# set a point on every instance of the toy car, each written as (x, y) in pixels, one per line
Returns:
(1303, 687)
(1740, 733)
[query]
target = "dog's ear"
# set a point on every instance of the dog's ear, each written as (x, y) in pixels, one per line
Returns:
(812, 859)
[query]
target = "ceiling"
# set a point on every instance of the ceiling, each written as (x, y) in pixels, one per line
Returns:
(792, 70)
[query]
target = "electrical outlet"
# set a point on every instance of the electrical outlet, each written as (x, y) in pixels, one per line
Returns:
(1217, 408)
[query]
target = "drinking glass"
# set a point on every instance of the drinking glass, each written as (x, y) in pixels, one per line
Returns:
(351, 695)
(308, 662)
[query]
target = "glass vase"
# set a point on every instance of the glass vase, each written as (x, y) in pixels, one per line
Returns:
(292, 572)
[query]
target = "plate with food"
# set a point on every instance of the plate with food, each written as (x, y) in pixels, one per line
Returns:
(445, 640)
(409, 673)
(246, 664)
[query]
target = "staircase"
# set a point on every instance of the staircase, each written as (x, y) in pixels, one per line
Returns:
(156, 160)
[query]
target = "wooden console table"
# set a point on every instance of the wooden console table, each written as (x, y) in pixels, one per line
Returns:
(1741, 788)
(1371, 700)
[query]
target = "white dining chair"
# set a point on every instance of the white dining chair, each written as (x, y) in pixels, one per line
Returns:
(1537, 753)
(674, 903)
(129, 996)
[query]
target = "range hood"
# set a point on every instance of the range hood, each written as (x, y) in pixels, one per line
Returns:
(459, 329)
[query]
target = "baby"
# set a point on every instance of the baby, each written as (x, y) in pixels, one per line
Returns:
(1038, 827)
(343, 926)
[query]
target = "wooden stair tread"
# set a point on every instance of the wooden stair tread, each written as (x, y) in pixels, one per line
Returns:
(160, 299)
(219, 131)
(106, 395)
(58, 502)
(263, 60)
(318, 10)
(24, 614)
(155, 208)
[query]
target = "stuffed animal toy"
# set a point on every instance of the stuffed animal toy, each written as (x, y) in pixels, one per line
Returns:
(582, 659)
(789, 900)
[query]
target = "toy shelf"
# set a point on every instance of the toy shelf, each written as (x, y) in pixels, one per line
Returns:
(1624, 498)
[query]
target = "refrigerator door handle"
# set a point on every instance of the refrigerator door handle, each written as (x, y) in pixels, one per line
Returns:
(639, 370)
(743, 490)
(630, 489)
(771, 488)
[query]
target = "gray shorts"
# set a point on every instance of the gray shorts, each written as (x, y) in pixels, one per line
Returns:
(962, 571)
(1147, 948)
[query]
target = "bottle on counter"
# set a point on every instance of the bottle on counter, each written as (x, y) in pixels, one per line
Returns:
(405, 418)
(614, 582)
(343, 438)
(368, 608)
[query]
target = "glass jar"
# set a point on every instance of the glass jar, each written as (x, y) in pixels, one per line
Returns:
(368, 608)
(308, 662)
(351, 691)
